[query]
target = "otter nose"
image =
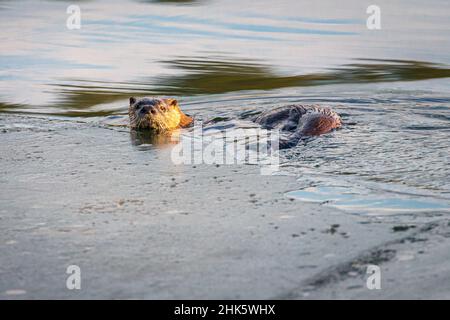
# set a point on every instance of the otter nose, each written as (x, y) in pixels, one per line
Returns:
(148, 109)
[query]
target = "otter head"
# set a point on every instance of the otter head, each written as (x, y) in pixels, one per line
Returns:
(158, 115)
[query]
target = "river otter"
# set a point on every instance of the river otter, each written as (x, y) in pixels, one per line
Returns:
(300, 121)
(158, 115)
(296, 121)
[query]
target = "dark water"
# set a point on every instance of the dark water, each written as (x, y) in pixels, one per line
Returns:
(220, 58)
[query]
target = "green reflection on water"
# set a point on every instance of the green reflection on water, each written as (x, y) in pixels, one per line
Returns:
(203, 76)
(212, 77)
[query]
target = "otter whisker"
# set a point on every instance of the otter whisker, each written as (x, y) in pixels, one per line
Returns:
(138, 125)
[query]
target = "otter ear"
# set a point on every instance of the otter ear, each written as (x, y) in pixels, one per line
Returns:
(132, 100)
(172, 102)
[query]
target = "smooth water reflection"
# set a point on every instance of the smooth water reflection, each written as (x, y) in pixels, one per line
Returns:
(203, 47)
(359, 200)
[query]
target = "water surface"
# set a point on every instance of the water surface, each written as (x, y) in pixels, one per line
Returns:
(222, 58)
